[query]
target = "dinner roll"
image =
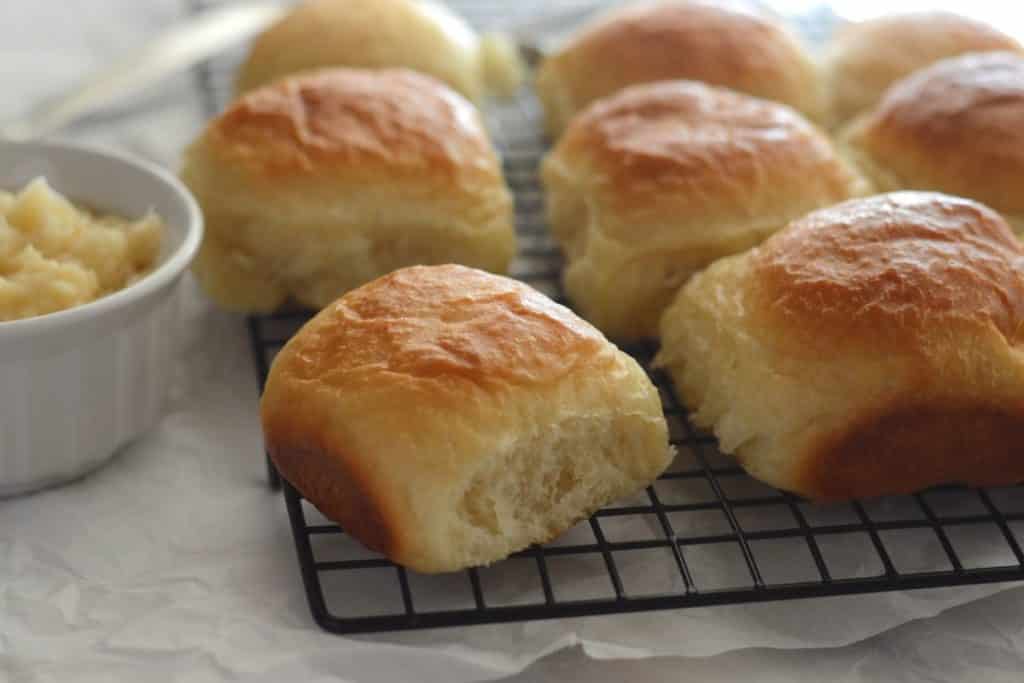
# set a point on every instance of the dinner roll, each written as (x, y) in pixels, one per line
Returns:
(872, 348)
(321, 182)
(447, 417)
(659, 41)
(957, 127)
(654, 183)
(869, 56)
(422, 35)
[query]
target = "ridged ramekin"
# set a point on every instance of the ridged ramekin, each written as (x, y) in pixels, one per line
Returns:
(77, 385)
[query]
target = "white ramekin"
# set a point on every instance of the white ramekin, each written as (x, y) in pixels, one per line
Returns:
(77, 385)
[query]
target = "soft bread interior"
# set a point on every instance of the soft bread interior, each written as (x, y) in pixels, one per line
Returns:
(810, 402)
(624, 292)
(255, 256)
(715, 358)
(544, 483)
(623, 286)
(447, 417)
(714, 364)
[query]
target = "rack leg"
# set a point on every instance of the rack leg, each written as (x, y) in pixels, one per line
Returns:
(273, 478)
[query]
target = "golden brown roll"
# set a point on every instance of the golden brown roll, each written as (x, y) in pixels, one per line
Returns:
(321, 182)
(660, 41)
(421, 35)
(875, 347)
(956, 127)
(869, 56)
(447, 417)
(654, 183)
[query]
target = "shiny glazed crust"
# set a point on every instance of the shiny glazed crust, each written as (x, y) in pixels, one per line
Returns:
(869, 56)
(658, 41)
(654, 183)
(447, 417)
(324, 181)
(885, 337)
(353, 121)
(952, 127)
(421, 35)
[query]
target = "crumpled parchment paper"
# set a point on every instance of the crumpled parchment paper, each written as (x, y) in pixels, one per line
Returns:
(175, 562)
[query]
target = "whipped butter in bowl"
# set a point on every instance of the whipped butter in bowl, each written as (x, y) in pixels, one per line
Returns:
(93, 246)
(55, 255)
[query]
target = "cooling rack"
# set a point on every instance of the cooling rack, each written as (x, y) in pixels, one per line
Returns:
(705, 533)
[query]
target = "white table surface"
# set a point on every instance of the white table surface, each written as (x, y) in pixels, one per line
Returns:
(47, 45)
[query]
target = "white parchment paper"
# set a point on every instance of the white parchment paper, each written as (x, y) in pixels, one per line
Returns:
(176, 562)
(177, 558)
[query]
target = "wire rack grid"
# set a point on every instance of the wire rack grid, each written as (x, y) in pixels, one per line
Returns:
(705, 533)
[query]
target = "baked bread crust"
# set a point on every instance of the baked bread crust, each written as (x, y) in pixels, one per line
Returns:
(652, 184)
(321, 182)
(659, 41)
(869, 56)
(421, 35)
(447, 417)
(885, 339)
(952, 127)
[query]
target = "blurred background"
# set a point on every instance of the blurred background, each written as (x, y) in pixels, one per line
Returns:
(1006, 15)
(50, 46)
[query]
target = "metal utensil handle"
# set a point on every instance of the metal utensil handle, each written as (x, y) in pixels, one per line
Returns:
(183, 46)
(201, 37)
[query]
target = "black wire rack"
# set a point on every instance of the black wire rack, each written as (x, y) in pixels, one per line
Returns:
(705, 533)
